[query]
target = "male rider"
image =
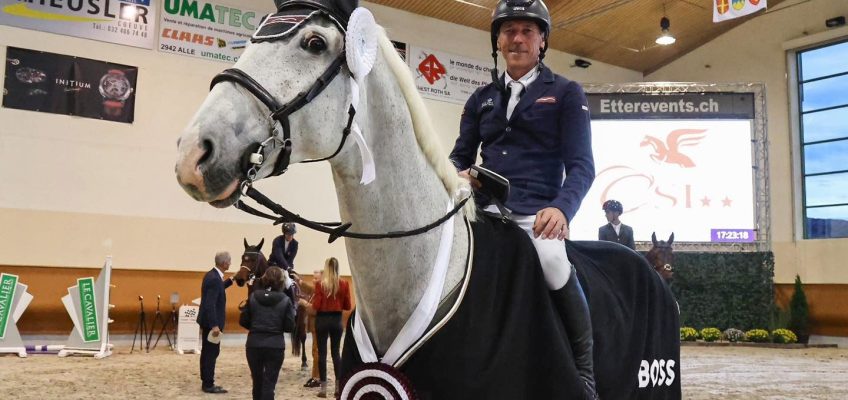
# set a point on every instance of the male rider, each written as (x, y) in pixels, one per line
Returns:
(532, 127)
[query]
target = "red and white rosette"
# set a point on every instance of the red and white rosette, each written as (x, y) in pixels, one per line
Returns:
(377, 381)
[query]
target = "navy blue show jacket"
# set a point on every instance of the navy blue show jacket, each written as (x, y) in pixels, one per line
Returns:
(547, 137)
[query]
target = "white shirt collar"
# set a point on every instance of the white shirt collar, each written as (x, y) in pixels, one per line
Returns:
(525, 80)
(220, 273)
(616, 227)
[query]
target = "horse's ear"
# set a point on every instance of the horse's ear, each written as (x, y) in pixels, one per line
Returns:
(245, 244)
(261, 242)
(654, 238)
(671, 239)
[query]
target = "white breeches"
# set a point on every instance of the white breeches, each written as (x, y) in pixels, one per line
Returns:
(552, 255)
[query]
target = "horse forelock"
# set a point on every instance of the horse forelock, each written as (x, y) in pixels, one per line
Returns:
(425, 134)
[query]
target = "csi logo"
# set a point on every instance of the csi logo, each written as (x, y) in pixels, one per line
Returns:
(656, 373)
(190, 312)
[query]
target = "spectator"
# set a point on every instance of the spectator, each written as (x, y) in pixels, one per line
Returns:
(332, 296)
(268, 314)
(211, 317)
(315, 380)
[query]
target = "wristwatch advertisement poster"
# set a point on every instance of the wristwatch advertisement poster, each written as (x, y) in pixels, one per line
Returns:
(62, 84)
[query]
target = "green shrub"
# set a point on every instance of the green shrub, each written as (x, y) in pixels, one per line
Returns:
(757, 335)
(799, 311)
(783, 336)
(710, 334)
(779, 318)
(734, 335)
(725, 290)
(688, 334)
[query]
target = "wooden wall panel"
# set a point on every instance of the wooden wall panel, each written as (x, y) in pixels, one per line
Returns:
(47, 315)
(828, 306)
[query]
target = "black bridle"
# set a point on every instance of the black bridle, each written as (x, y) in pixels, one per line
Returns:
(280, 114)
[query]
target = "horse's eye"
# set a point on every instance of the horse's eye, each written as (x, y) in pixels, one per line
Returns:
(314, 43)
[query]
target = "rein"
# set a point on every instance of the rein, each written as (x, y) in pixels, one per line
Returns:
(280, 115)
(340, 229)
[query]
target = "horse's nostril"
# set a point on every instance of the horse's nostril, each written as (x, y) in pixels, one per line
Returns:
(208, 151)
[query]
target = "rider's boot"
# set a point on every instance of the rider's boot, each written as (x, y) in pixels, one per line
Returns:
(571, 304)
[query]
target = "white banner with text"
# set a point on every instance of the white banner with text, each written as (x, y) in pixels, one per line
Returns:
(445, 76)
(209, 30)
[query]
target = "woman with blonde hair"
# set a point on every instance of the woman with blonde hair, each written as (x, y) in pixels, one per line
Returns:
(332, 296)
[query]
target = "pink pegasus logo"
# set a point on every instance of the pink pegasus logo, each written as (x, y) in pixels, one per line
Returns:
(670, 150)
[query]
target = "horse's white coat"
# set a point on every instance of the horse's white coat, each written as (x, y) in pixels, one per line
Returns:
(415, 180)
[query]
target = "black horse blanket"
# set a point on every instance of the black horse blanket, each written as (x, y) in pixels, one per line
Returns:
(507, 342)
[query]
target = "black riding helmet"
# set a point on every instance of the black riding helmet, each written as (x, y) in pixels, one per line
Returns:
(339, 9)
(613, 205)
(534, 10)
(506, 10)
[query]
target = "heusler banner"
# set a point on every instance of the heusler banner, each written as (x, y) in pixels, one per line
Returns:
(125, 22)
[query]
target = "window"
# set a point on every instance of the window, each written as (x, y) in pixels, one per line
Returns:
(823, 110)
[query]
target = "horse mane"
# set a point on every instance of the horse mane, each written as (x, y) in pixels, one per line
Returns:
(425, 134)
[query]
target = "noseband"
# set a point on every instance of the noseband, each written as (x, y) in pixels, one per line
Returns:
(280, 114)
(251, 272)
(657, 248)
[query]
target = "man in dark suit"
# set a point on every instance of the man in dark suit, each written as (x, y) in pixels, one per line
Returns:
(213, 304)
(284, 248)
(532, 127)
(615, 231)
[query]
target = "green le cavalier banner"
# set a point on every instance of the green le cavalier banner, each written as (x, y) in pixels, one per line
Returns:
(213, 31)
(8, 285)
(126, 22)
(90, 327)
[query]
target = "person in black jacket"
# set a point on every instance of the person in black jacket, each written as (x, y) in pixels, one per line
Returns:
(213, 305)
(615, 231)
(268, 314)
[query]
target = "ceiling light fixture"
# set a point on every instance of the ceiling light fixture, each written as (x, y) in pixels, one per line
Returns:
(665, 39)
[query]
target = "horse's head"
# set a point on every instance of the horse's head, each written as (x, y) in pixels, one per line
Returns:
(253, 262)
(290, 71)
(661, 256)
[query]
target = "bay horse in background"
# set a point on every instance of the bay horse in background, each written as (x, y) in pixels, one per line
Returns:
(253, 266)
(661, 257)
(495, 333)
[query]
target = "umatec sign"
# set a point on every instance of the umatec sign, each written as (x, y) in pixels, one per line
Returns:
(128, 22)
(88, 304)
(209, 30)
